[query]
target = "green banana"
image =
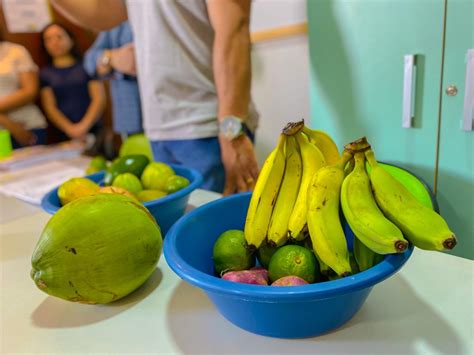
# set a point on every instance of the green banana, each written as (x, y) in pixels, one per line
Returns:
(313, 160)
(363, 215)
(325, 230)
(264, 196)
(422, 226)
(365, 257)
(278, 229)
(324, 143)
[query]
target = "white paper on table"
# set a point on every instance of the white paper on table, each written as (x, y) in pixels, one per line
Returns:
(31, 184)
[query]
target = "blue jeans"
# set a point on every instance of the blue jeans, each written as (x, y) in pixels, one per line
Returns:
(204, 155)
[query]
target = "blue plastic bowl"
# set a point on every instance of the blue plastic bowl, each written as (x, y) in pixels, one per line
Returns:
(166, 210)
(283, 312)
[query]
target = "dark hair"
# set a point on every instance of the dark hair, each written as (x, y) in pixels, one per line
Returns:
(74, 51)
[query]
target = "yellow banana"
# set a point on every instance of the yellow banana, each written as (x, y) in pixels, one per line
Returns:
(324, 143)
(313, 160)
(323, 268)
(325, 230)
(278, 229)
(363, 215)
(365, 257)
(422, 226)
(264, 196)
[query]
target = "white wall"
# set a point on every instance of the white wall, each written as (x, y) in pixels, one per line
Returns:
(280, 82)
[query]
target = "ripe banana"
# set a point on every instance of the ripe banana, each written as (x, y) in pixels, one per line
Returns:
(324, 143)
(264, 196)
(278, 229)
(422, 226)
(313, 160)
(365, 257)
(323, 268)
(366, 220)
(327, 235)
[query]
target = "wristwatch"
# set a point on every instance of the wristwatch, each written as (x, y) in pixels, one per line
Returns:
(232, 127)
(105, 58)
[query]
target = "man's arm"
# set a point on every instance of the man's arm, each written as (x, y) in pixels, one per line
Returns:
(232, 74)
(96, 14)
(231, 55)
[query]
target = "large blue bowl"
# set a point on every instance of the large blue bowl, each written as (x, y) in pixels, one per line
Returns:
(284, 312)
(166, 210)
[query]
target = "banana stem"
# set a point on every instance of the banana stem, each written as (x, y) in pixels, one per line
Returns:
(346, 156)
(369, 154)
(293, 128)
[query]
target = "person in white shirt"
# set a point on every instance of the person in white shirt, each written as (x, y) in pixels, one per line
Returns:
(194, 73)
(18, 91)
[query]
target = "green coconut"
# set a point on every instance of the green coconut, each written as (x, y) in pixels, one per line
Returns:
(97, 249)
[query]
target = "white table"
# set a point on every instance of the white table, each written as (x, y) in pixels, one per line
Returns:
(426, 308)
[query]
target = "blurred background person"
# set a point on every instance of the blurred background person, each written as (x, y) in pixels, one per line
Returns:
(72, 101)
(18, 91)
(112, 56)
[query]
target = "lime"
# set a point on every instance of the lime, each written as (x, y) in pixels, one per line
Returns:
(175, 183)
(293, 260)
(264, 254)
(129, 182)
(98, 162)
(155, 176)
(231, 252)
(136, 144)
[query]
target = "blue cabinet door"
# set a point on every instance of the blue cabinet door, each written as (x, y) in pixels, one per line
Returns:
(357, 50)
(455, 187)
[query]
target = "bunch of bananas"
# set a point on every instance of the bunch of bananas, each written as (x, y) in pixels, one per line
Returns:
(305, 183)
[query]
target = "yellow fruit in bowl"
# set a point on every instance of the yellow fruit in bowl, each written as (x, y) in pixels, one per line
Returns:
(76, 188)
(116, 190)
(155, 176)
(150, 195)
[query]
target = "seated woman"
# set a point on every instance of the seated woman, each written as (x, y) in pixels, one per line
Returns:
(72, 101)
(18, 90)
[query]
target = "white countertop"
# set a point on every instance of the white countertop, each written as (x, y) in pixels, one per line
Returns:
(426, 308)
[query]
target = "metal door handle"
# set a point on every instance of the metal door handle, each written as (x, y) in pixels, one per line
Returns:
(409, 81)
(468, 110)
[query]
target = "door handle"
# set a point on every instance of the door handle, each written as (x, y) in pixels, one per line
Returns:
(409, 81)
(468, 109)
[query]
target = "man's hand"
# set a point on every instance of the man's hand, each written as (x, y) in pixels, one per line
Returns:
(23, 136)
(123, 59)
(240, 164)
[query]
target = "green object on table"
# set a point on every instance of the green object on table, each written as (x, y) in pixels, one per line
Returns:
(415, 185)
(136, 144)
(134, 164)
(5, 144)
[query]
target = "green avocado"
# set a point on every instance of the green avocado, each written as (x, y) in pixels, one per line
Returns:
(134, 164)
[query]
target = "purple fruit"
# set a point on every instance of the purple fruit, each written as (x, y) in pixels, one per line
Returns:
(289, 281)
(246, 277)
(260, 271)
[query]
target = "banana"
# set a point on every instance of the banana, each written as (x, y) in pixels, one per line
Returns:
(325, 230)
(365, 257)
(278, 229)
(313, 160)
(264, 196)
(324, 143)
(422, 226)
(366, 220)
(323, 268)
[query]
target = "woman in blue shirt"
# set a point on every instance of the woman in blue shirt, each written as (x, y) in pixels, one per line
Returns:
(72, 101)
(112, 56)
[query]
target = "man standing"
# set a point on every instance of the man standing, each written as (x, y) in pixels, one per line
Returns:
(194, 73)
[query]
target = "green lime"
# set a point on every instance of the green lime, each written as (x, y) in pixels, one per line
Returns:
(129, 182)
(156, 175)
(231, 252)
(175, 183)
(150, 195)
(264, 254)
(98, 162)
(293, 260)
(136, 144)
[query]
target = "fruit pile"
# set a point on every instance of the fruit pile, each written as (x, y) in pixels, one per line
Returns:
(304, 189)
(131, 175)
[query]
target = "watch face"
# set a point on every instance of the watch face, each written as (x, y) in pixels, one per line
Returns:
(231, 127)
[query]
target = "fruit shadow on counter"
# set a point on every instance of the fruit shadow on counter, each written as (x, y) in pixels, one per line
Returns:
(56, 313)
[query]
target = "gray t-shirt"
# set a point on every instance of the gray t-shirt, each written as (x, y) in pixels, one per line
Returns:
(173, 44)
